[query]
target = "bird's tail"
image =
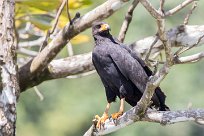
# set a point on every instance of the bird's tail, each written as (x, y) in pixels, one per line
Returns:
(161, 96)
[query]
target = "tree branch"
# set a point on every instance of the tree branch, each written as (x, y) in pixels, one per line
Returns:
(162, 117)
(40, 62)
(179, 7)
(60, 68)
(151, 9)
(8, 67)
(126, 22)
(189, 59)
(179, 36)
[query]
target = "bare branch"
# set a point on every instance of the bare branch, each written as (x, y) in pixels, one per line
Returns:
(26, 44)
(70, 49)
(190, 12)
(189, 59)
(39, 94)
(60, 68)
(50, 51)
(49, 32)
(161, 7)
(27, 52)
(150, 49)
(151, 9)
(127, 21)
(81, 75)
(180, 36)
(162, 117)
(190, 47)
(57, 16)
(178, 8)
(67, 8)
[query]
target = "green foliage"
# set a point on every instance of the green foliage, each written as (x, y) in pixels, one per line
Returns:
(70, 104)
(41, 14)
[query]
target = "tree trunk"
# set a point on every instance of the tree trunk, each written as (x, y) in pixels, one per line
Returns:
(8, 67)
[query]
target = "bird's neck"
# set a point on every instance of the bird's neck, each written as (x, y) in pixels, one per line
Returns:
(99, 39)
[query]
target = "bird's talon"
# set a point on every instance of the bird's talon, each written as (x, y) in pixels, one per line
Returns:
(101, 120)
(97, 117)
(116, 115)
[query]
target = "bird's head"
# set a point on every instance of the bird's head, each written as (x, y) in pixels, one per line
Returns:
(100, 28)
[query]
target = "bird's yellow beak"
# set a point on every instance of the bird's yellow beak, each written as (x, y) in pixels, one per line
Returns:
(104, 27)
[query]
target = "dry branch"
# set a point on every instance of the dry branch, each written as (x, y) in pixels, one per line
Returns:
(127, 21)
(162, 117)
(68, 32)
(8, 69)
(179, 36)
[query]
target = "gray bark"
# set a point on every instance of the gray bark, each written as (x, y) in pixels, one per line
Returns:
(8, 67)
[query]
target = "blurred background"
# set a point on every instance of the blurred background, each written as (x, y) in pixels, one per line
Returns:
(69, 105)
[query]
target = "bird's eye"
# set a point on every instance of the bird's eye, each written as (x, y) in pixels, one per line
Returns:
(98, 26)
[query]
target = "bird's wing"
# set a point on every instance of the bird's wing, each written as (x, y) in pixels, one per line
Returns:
(130, 68)
(135, 55)
(110, 95)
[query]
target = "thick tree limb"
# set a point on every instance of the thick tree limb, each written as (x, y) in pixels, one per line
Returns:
(9, 74)
(179, 7)
(179, 36)
(162, 117)
(40, 62)
(60, 68)
(68, 32)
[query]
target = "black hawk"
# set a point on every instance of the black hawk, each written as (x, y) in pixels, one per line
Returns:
(122, 72)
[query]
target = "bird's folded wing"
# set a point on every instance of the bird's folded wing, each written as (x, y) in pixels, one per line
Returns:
(130, 68)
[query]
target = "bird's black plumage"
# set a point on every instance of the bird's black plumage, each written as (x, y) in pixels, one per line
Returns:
(121, 70)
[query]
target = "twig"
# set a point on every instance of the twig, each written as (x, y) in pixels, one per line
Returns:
(161, 7)
(41, 61)
(36, 42)
(178, 8)
(39, 94)
(81, 75)
(27, 52)
(127, 21)
(67, 9)
(150, 49)
(189, 59)
(190, 47)
(57, 16)
(186, 20)
(82, 63)
(151, 9)
(49, 32)
(70, 49)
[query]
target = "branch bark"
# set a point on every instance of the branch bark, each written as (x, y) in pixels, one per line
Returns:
(179, 36)
(69, 31)
(9, 74)
(41, 61)
(162, 117)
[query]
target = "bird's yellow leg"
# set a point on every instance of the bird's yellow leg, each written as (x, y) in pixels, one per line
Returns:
(120, 112)
(101, 120)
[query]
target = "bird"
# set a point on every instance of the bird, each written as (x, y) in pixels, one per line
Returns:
(123, 73)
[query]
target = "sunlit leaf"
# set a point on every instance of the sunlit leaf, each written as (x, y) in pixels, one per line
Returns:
(80, 39)
(37, 20)
(62, 21)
